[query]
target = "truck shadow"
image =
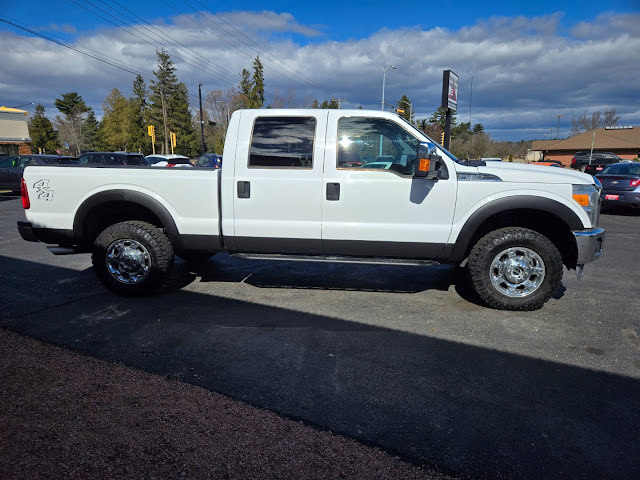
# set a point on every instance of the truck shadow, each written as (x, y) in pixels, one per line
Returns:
(322, 276)
(475, 411)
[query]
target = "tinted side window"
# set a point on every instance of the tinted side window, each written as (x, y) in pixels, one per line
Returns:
(375, 143)
(282, 142)
(7, 162)
(136, 160)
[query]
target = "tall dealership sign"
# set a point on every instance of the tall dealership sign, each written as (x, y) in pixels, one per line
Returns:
(449, 101)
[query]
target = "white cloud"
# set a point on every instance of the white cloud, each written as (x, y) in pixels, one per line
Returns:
(525, 71)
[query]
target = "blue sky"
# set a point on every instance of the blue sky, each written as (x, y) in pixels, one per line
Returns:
(529, 63)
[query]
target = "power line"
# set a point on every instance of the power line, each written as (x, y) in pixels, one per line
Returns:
(252, 44)
(147, 37)
(94, 55)
(147, 26)
(70, 47)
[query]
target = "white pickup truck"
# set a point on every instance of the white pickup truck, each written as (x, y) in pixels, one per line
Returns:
(325, 185)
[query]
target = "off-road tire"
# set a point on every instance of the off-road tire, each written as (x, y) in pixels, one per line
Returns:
(132, 258)
(532, 255)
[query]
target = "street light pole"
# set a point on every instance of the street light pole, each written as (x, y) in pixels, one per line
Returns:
(384, 74)
(558, 131)
(204, 148)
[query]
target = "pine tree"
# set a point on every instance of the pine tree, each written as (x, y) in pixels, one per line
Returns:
(73, 128)
(139, 113)
(116, 123)
(92, 132)
(256, 96)
(405, 104)
(42, 133)
(181, 122)
(245, 84)
(439, 117)
(163, 88)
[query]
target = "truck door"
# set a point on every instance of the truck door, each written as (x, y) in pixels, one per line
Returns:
(371, 204)
(277, 184)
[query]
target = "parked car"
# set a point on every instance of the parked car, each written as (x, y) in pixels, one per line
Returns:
(621, 184)
(383, 165)
(549, 163)
(582, 160)
(211, 160)
(11, 167)
(112, 158)
(171, 160)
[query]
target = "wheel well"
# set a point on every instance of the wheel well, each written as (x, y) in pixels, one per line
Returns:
(545, 223)
(105, 214)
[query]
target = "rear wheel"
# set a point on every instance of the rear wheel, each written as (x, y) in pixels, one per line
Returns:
(515, 269)
(132, 258)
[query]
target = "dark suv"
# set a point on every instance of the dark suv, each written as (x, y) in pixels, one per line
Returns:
(112, 158)
(581, 161)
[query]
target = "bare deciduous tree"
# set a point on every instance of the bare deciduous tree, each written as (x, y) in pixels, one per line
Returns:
(218, 107)
(588, 122)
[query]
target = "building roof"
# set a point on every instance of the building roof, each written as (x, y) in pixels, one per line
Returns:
(13, 110)
(604, 139)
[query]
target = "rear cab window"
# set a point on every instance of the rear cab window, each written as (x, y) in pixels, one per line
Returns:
(282, 142)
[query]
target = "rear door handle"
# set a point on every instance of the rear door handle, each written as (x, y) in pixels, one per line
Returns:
(333, 191)
(244, 190)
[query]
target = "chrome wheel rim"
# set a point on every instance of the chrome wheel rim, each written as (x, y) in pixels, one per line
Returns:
(128, 261)
(517, 272)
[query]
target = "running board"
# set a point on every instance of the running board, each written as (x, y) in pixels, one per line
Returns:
(337, 259)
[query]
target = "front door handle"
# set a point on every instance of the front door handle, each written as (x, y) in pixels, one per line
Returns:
(244, 190)
(333, 191)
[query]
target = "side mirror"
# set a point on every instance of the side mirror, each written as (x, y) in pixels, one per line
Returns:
(428, 164)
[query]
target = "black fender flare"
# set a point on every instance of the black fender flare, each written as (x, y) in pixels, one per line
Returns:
(518, 202)
(130, 196)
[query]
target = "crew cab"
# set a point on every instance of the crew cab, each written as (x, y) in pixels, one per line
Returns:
(294, 185)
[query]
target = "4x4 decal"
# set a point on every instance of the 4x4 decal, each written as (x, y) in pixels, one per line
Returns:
(43, 191)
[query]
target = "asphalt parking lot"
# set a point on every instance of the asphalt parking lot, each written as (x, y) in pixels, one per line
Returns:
(397, 357)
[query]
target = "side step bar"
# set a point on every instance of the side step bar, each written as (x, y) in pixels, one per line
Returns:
(337, 259)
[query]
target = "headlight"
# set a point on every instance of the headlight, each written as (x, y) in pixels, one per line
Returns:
(588, 197)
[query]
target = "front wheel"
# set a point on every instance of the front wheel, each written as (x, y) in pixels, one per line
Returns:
(132, 258)
(515, 269)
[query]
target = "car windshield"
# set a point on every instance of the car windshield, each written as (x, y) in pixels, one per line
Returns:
(622, 169)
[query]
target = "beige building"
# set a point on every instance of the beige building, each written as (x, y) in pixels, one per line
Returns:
(623, 141)
(14, 132)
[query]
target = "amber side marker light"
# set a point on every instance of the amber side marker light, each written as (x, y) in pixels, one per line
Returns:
(424, 165)
(582, 199)
(26, 204)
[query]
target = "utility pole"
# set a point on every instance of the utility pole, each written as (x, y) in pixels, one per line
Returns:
(204, 148)
(558, 131)
(340, 100)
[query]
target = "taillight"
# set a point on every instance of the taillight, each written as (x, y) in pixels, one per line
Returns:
(573, 161)
(635, 183)
(26, 204)
(171, 164)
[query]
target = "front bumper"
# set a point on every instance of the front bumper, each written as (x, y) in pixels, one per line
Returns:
(590, 244)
